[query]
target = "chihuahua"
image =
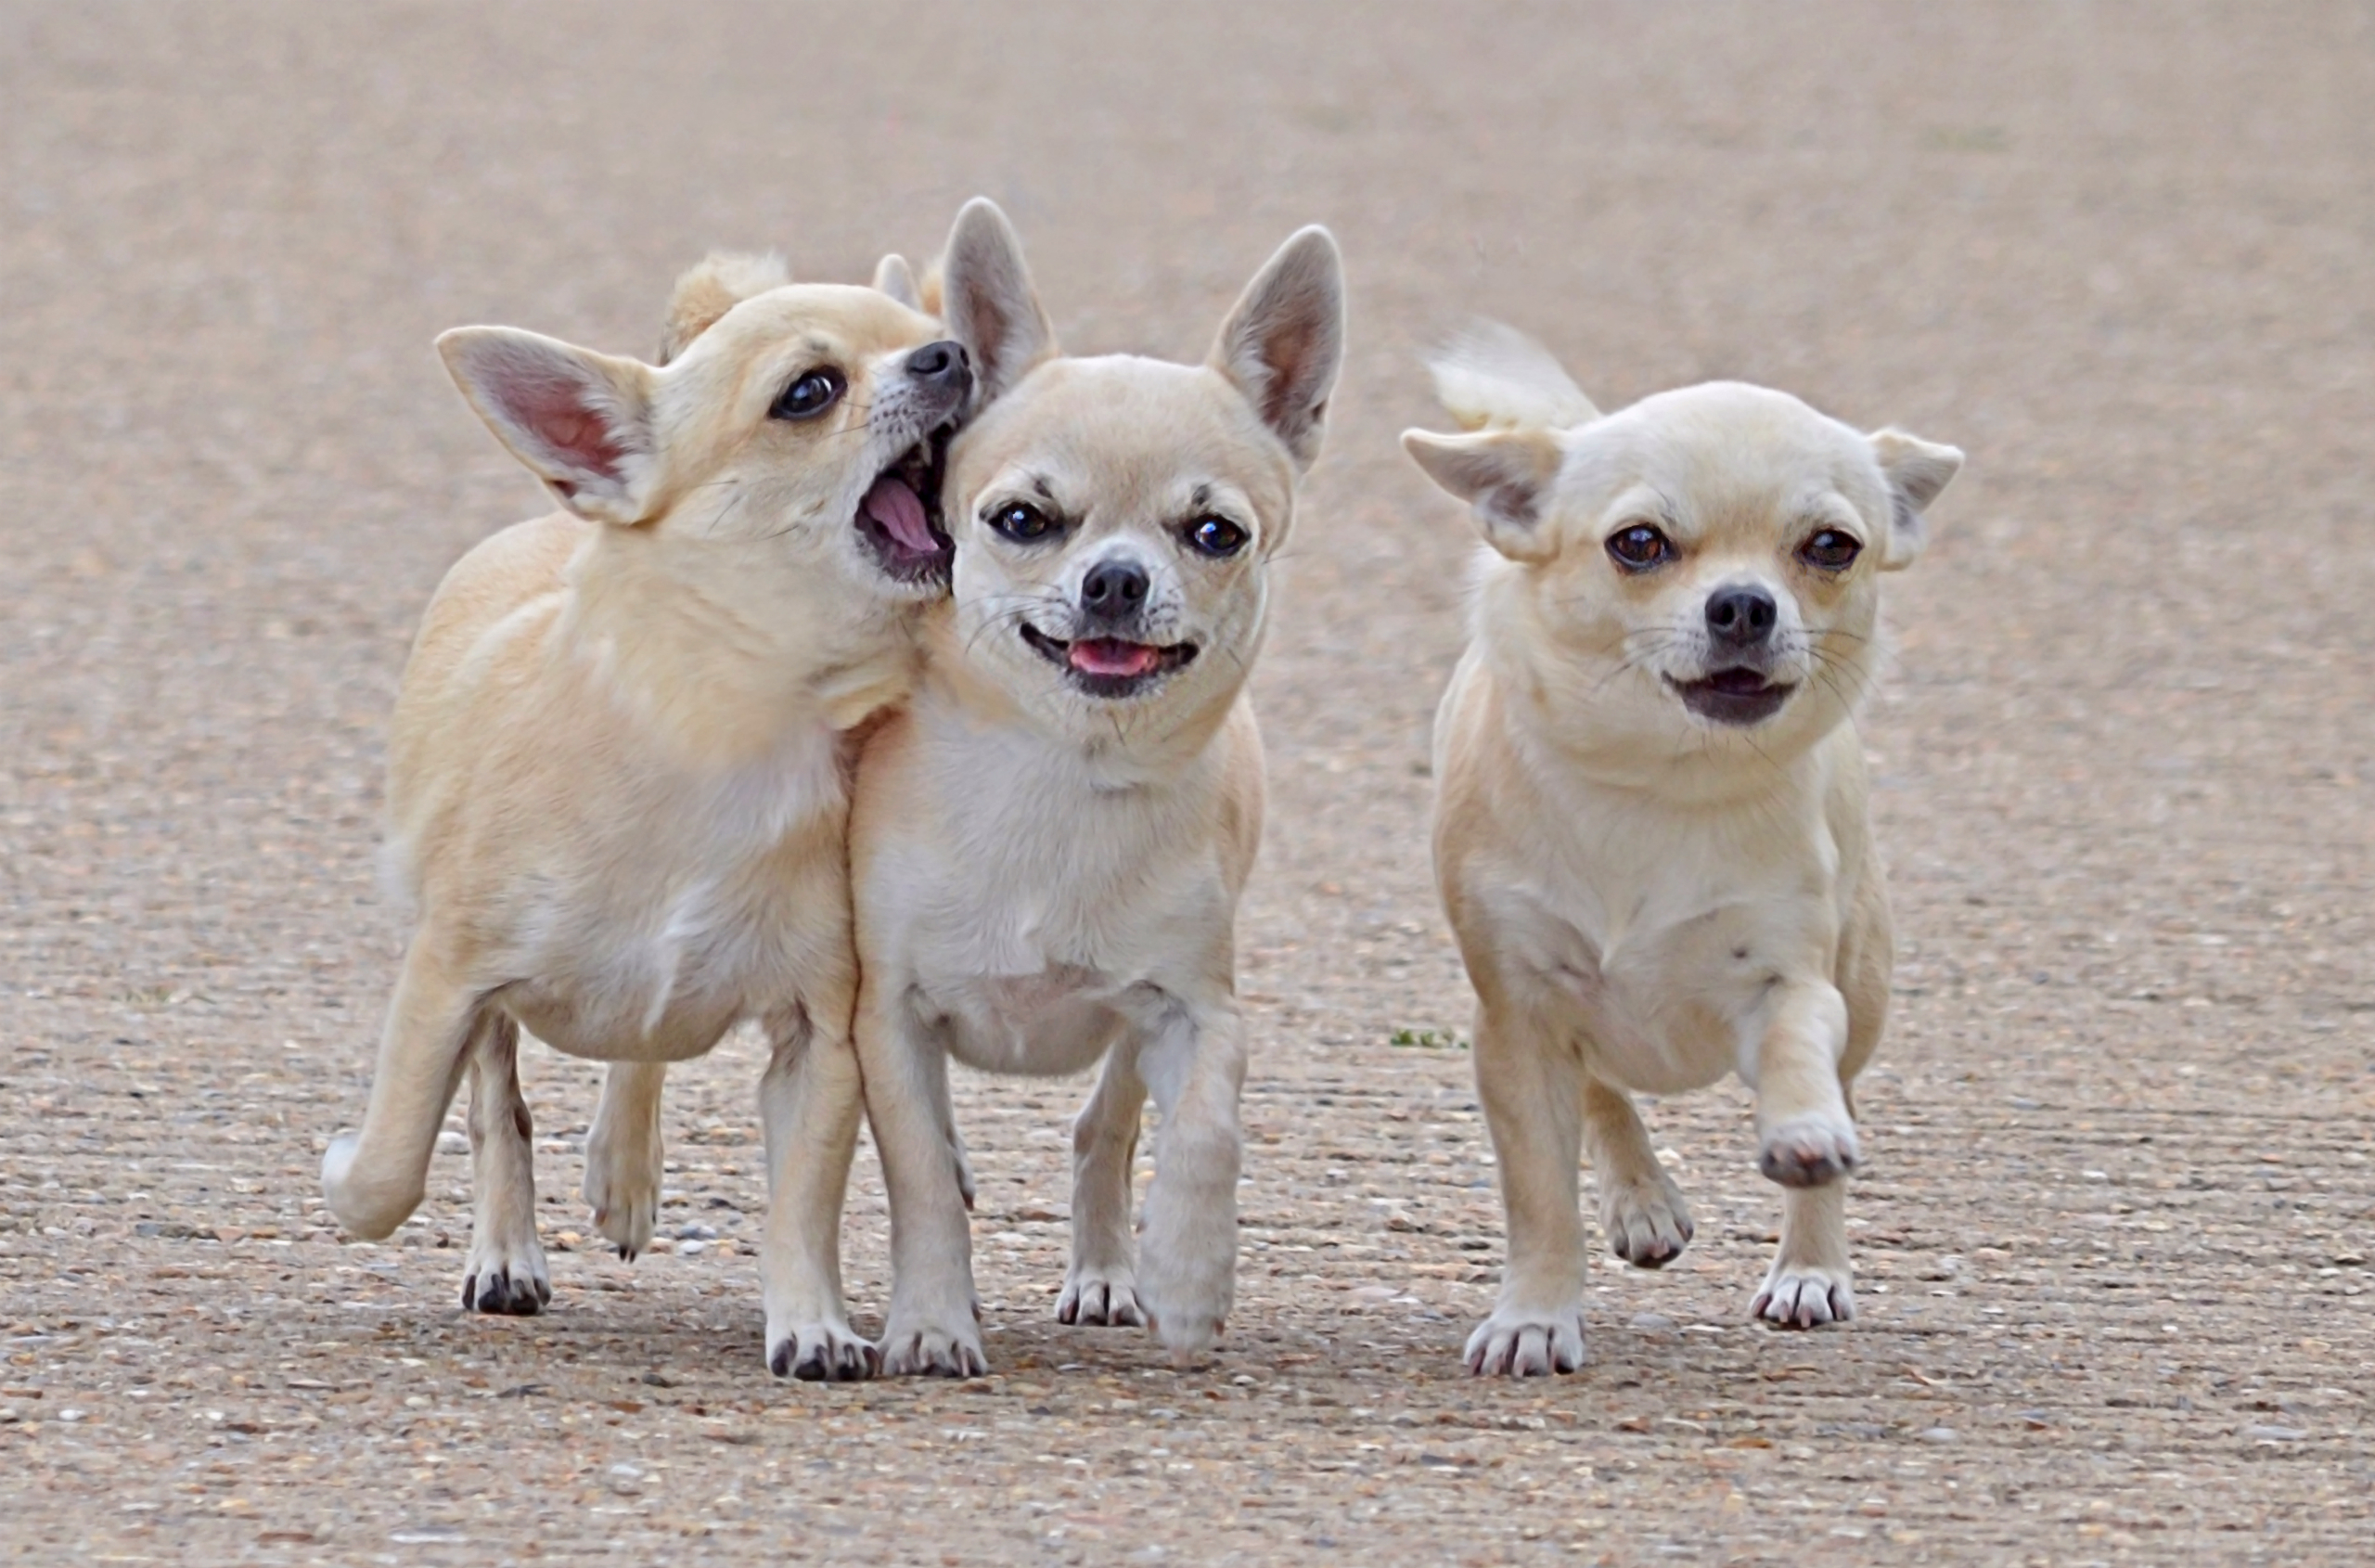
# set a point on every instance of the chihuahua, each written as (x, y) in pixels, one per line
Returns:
(619, 765)
(1050, 841)
(1651, 834)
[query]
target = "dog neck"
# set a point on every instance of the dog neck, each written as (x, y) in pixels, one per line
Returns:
(670, 635)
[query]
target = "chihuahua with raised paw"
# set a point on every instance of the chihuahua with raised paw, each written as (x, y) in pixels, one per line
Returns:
(619, 768)
(1049, 841)
(1651, 834)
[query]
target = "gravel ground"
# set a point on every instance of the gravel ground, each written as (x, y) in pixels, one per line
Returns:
(2114, 1238)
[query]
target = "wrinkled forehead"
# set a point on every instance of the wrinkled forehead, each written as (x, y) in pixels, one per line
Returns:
(1120, 435)
(815, 323)
(1724, 453)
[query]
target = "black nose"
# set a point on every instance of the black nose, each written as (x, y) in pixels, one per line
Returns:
(940, 364)
(1114, 588)
(1742, 617)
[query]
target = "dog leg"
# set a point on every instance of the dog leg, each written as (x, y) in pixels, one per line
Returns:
(810, 1099)
(623, 1156)
(1804, 1135)
(1531, 1086)
(1641, 1210)
(505, 1272)
(1811, 1282)
(933, 1327)
(1194, 1060)
(373, 1178)
(1102, 1285)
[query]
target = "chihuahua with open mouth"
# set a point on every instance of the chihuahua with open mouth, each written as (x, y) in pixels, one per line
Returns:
(1652, 835)
(619, 765)
(1049, 841)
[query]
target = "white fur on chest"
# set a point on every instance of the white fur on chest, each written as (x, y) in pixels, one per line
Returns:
(693, 920)
(1053, 902)
(1661, 935)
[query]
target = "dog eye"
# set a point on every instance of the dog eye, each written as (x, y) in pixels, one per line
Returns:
(810, 396)
(1020, 522)
(1830, 551)
(1639, 547)
(1216, 536)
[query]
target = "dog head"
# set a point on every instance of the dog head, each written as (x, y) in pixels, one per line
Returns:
(791, 430)
(1699, 568)
(1115, 517)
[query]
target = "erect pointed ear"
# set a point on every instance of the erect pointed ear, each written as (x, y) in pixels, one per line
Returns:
(1916, 471)
(1505, 475)
(892, 276)
(722, 280)
(988, 302)
(1284, 342)
(581, 420)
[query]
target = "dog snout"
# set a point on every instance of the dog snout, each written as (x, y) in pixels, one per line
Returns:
(1115, 590)
(1741, 616)
(942, 368)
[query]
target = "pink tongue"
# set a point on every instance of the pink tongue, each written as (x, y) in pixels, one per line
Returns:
(1108, 656)
(893, 504)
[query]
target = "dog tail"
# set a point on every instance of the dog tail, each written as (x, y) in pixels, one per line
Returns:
(723, 280)
(1492, 377)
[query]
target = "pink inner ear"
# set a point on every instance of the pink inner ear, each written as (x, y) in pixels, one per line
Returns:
(581, 436)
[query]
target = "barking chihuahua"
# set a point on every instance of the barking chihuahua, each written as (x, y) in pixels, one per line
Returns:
(1048, 843)
(1650, 835)
(618, 771)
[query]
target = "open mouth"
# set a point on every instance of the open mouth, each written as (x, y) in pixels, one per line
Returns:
(1110, 666)
(900, 516)
(1736, 696)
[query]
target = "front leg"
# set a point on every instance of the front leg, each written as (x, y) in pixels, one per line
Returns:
(1529, 1080)
(1102, 1284)
(810, 1099)
(625, 1156)
(1193, 1058)
(932, 1328)
(1806, 1141)
(505, 1272)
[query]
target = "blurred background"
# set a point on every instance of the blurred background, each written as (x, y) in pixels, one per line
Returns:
(2122, 254)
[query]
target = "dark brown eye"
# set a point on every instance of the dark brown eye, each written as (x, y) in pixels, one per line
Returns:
(1830, 551)
(1216, 536)
(808, 395)
(1640, 547)
(1020, 522)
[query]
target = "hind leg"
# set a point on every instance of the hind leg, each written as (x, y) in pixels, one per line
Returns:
(624, 1154)
(505, 1272)
(1641, 1210)
(373, 1179)
(1102, 1285)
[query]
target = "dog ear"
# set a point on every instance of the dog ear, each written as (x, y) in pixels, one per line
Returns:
(1284, 342)
(894, 278)
(988, 302)
(708, 291)
(1493, 377)
(1916, 471)
(1505, 475)
(581, 420)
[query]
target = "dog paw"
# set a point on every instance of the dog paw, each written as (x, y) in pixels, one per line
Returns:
(1808, 1151)
(507, 1280)
(821, 1353)
(1802, 1296)
(1100, 1297)
(1647, 1222)
(1517, 1343)
(625, 1196)
(912, 1349)
(370, 1210)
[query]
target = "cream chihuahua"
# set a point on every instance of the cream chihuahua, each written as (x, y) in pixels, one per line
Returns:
(619, 765)
(1651, 833)
(1050, 841)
